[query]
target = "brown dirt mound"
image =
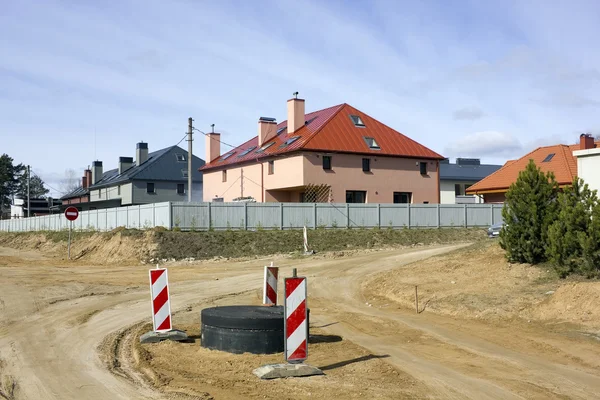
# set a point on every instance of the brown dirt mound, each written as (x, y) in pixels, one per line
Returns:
(476, 282)
(98, 248)
(577, 302)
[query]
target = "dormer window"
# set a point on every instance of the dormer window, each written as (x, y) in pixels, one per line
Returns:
(548, 157)
(357, 121)
(226, 156)
(372, 143)
(266, 146)
(248, 150)
(290, 141)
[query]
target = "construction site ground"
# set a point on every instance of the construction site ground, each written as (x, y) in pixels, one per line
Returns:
(485, 329)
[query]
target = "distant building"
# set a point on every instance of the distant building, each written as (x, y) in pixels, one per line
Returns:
(337, 155)
(588, 162)
(37, 207)
(456, 178)
(558, 159)
(153, 177)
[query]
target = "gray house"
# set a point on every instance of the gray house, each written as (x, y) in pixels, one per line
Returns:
(152, 178)
(455, 179)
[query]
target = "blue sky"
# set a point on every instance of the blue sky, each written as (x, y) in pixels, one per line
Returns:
(466, 78)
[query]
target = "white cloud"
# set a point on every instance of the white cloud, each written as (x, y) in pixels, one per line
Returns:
(485, 144)
(468, 113)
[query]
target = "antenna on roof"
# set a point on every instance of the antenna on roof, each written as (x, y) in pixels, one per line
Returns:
(213, 127)
(295, 95)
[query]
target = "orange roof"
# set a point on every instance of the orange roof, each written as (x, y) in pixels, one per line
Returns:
(330, 130)
(558, 159)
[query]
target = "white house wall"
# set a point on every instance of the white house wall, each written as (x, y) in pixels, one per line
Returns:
(588, 165)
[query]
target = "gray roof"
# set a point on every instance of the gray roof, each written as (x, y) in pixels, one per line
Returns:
(162, 165)
(472, 173)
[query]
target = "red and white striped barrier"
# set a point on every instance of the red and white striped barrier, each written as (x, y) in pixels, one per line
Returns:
(161, 306)
(270, 285)
(296, 319)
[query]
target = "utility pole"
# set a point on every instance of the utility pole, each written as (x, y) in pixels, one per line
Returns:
(28, 180)
(242, 183)
(190, 128)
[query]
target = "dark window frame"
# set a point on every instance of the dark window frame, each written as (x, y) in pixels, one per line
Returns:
(423, 167)
(549, 157)
(354, 195)
(182, 186)
(271, 169)
(150, 185)
(401, 196)
(366, 165)
(327, 163)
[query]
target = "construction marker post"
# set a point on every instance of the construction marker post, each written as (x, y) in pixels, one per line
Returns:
(161, 309)
(270, 285)
(296, 319)
(71, 214)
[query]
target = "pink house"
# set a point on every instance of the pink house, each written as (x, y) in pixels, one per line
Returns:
(338, 154)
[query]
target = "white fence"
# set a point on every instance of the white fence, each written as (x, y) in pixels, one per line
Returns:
(252, 216)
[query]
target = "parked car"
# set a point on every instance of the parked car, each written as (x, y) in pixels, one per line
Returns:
(494, 230)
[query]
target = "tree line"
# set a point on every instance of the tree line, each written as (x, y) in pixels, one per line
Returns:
(13, 183)
(546, 223)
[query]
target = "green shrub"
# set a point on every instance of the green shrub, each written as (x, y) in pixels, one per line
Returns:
(573, 238)
(530, 207)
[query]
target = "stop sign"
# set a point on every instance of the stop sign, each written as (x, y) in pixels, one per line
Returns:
(71, 213)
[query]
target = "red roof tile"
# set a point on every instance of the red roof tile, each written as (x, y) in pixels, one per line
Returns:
(330, 129)
(562, 163)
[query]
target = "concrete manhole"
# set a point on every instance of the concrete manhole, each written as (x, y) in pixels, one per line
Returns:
(243, 329)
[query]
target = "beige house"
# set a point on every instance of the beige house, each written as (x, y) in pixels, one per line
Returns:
(338, 155)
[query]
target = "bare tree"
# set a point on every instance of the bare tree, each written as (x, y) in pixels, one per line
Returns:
(70, 181)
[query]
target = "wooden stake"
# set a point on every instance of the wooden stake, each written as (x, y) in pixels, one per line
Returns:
(416, 300)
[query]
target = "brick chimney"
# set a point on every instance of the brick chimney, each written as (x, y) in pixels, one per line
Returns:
(141, 153)
(125, 163)
(213, 146)
(96, 172)
(586, 141)
(295, 114)
(87, 178)
(267, 130)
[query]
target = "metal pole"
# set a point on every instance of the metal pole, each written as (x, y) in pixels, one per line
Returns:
(28, 183)
(70, 227)
(416, 300)
(294, 273)
(190, 127)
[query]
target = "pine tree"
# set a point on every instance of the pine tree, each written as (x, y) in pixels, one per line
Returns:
(530, 207)
(590, 245)
(37, 190)
(568, 233)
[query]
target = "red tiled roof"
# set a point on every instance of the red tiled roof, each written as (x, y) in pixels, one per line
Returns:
(333, 130)
(563, 164)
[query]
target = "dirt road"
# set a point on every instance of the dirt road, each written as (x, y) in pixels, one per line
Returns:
(55, 316)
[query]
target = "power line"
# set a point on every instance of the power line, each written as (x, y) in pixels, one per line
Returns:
(214, 138)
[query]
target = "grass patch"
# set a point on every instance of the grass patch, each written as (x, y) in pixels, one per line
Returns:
(203, 245)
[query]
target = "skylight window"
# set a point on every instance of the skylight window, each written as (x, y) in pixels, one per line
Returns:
(290, 141)
(373, 145)
(357, 120)
(548, 157)
(266, 146)
(281, 130)
(226, 156)
(180, 156)
(184, 173)
(248, 150)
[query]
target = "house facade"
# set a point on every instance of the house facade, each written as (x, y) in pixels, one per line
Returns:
(456, 178)
(338, 155)
(588, 162)
(151, 178)
(558, 159)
